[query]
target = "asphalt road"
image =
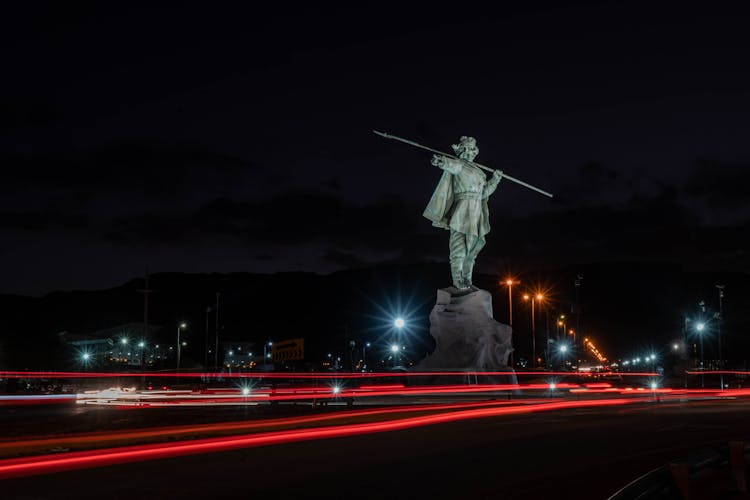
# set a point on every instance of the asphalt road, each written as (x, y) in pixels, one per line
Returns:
(586, 453)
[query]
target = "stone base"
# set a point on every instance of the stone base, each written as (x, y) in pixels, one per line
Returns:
(466, 335)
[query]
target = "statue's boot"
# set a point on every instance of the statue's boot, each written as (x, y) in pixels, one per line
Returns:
(459, 281)
(467, 271)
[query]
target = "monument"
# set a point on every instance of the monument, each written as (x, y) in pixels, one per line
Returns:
(467, 337)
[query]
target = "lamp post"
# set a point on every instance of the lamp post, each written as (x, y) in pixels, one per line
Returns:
(365, 345)
(575, 339)
(720, 320)
(561, 322)
(395, 348)
(179, 344)
(563, 353)
(699, 328)
(536, 298)
(509, 283)
(267, 351)
(399, 323)
(141, 345)
(86, 358)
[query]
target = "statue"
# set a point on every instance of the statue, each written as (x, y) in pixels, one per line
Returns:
(466, 335)
(459, 204)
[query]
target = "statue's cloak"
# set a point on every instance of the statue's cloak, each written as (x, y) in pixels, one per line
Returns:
(441, 202)
(465, 215)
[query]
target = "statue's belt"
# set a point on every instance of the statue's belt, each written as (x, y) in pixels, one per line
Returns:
(467, 195)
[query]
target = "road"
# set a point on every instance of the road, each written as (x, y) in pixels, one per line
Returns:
(580, 453)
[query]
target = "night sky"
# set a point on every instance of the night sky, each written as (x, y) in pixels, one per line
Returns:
(203, 139)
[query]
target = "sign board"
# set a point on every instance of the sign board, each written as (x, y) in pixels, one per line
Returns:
(288, 350)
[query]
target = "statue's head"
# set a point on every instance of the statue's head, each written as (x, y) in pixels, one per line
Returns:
(466, 148)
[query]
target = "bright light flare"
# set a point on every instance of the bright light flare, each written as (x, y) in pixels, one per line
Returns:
(399, 322)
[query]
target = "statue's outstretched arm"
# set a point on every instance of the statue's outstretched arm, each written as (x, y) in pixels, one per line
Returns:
(450, 165)
(491, 185)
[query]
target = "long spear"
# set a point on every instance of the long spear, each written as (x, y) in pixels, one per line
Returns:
(412, 143)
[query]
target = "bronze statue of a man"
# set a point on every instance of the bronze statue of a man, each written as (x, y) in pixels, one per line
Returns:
(459, 204)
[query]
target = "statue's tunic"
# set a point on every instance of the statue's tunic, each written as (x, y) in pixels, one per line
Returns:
(459, 202)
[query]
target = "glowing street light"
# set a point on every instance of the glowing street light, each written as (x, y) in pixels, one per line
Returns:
(536, 298)
(700, 327)
(509, 282)
(180, 327)
(399, 323)
(365, 345)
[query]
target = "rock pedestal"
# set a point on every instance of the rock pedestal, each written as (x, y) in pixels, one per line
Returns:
(467, 336)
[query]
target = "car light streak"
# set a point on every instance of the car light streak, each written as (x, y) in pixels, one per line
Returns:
(316, 375)
(76, 460)
(246, 426)
(37, 399)
(130, 399)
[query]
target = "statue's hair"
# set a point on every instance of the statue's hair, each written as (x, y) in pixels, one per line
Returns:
(464, 143)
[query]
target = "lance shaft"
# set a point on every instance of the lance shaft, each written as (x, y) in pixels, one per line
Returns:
(478, 165)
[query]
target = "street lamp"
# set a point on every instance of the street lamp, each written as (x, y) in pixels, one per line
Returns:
(141, 345)
(573, 333)
(365, 345)
(86, 357)
(180, 327)
(509, 283)
(561, 322)
(563, 353)
(399, 323)
(699, 327)
(536, 298)
(394, 352)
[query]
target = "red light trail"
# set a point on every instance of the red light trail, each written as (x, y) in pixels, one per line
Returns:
(316, 375)
(19, 467)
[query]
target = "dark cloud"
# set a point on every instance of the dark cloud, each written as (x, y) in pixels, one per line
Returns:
(42, 220)
(150, 167)
(286, 219)
(720, 184)
(344, 259)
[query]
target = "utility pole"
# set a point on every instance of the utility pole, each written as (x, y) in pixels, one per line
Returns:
(702, 305)
(510, 282)
(145, 291)
(216, 343)
(206, 347)
(577, 283)
(718, 331)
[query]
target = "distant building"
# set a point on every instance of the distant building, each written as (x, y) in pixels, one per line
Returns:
(119, 346)
(239, 355)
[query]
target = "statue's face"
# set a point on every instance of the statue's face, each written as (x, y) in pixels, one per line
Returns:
(469, 153)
